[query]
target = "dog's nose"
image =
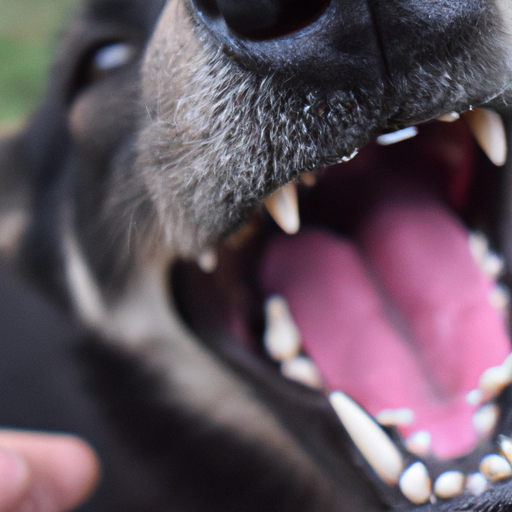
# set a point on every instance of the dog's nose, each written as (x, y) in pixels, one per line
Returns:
(266, 19)
(328, 42)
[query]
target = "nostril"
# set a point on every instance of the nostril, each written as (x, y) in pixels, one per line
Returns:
(264, 19)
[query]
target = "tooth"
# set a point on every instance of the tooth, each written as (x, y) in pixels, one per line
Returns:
(303, 370)
(484, 420)
(281, 337)
(386, 139)
(283, 206)
(478, 246)
(499, 298)
(475, 397)
(308, 179)
(208, 261)
(415, 483)
(494, 379)
(449, 484)
(505, 444)
(450, 117)
(419, 443)
(374, 444)
(398, 417)
(495, 467)
(476, 484)
(493, 265)
(489, 131)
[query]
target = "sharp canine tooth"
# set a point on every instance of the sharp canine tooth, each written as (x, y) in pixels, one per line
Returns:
(415, 483)
(495, 467)
(281, 337)
(303, 370)
(487, 127)
(390, 417)
(419, 442)
(374, 444)
(450, 117)
(484, 420)
(283, 206)
(208, 260)
(386, 139)
(449, 484)
(476, 484)
(494, 379)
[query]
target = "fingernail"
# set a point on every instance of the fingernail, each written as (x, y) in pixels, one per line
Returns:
(13, 478)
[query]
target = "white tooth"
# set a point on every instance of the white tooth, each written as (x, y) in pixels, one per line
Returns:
(281, 337)
(398, 417)
(386, 139)
(499, 298)
(449, 484)
(494, 379)
(308, 179)
(303, 370)
(374, 444)
(415, 483)
(495, 467)
(489, 131)
(493, 265)
(508, 363)
(505, 444)
(419, 443)
(450, 117)
(208, 261)
(484, 420)
(478, 246)
(475, 397)
(283, 206)
(476, 484)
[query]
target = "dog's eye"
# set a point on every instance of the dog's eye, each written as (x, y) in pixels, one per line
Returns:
(99, 62)
(110, 57)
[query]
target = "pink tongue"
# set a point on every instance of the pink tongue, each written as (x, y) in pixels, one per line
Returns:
(425, 346)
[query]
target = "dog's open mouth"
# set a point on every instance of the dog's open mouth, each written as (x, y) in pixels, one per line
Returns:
(389, 294)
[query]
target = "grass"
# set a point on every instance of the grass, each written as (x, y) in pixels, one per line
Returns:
(28, 35)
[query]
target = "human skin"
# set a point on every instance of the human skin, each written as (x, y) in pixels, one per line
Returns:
(42, 472)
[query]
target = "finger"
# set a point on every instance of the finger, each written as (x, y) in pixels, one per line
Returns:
(62, 470)
(14, 479)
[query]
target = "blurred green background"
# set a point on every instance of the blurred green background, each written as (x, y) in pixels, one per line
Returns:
(28, 33)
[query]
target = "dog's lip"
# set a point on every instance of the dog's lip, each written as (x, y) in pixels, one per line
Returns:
(241, 358)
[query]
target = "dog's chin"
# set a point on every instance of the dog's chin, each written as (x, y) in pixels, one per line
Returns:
(389, 300)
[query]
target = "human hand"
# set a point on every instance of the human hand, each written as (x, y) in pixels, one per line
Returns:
(44, 472)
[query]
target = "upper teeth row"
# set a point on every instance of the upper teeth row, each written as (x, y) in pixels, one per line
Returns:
(486, 125)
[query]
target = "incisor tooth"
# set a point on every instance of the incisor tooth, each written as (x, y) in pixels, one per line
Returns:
(386, 139)
(419, 442)
(373, 443)
(484, 420)
(283, 206)
(303, 370)
(505, 444)
(475, 397)
(208, 261)
(415, 483)
(450, 117)
(390, 417)
(494, 467)
(489, 131)
(449, 484)
(476, 484)
(281, 337)
(494, 379)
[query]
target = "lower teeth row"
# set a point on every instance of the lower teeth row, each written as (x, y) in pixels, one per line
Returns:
(282, 343)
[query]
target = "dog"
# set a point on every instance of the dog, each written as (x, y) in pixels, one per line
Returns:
(356, 361)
